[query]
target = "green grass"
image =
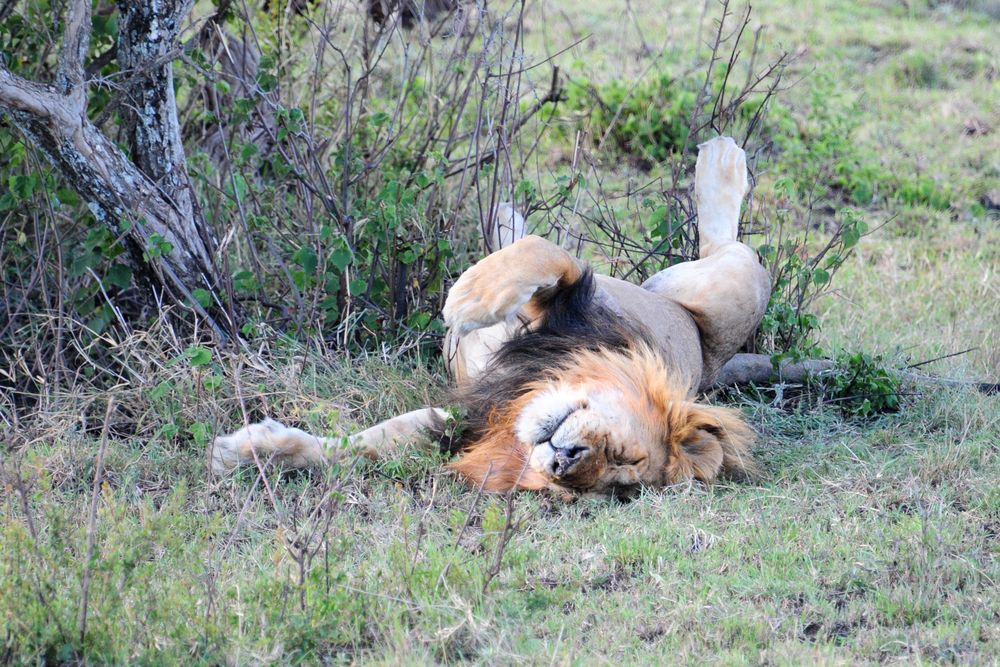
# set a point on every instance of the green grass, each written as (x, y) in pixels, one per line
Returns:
(867, 541)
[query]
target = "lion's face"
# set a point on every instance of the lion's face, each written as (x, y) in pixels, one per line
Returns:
(591, 438)
(608, 422)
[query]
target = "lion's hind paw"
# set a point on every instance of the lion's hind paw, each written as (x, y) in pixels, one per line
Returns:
(721, 170)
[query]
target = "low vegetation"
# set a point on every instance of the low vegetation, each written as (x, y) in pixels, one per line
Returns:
(872, 537)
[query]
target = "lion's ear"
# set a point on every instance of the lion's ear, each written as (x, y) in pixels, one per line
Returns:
(706, 441)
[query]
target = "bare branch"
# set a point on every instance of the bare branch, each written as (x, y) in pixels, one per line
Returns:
(556, 94)
(95, 494)
(6, 9)
(76, 45)
(17, 94)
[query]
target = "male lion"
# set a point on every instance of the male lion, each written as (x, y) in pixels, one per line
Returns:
(577, 382)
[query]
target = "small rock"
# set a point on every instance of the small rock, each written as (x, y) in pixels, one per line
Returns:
(976, 127)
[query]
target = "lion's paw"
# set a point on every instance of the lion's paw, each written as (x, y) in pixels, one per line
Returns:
(484, 296)
(228, 451)
(721, 171)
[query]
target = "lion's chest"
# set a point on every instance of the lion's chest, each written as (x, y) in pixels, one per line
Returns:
(672, 328)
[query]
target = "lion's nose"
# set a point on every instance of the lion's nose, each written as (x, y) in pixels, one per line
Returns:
(566, 458)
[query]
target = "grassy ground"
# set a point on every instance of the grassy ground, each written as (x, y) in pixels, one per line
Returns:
(868, 541)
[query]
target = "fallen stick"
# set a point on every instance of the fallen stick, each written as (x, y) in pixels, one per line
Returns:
(747, 368)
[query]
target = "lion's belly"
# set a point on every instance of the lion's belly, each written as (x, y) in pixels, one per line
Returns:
(670, 324)
(672, 328)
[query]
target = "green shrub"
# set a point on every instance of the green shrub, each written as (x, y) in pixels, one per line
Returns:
(820, 154)
(923, 191)
(333, 212)
(801, 274)
(824, 159)
(861, 385)
(650, 120)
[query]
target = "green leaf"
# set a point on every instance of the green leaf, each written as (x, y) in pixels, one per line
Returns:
(161, 390)
(119, 275)
(525, 189)
(420, 320)
(306, 258)
(341, 258)
(201, 432)
(213, 382)
(198, 355)
(249, 150)
(202, 296)
(245, 281)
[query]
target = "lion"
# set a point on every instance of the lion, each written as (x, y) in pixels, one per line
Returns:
(576, 382)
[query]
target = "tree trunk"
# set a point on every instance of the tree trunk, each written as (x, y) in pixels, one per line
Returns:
(147, 200)
(147, 33)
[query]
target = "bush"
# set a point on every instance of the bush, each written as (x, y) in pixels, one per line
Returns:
(799, 276)
(923, 191)
(824, 159)
(820, 154)
(336, 216)
(917, 70)
(862, 385)
(649, 122)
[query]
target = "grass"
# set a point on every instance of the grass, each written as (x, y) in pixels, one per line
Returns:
(868, 541)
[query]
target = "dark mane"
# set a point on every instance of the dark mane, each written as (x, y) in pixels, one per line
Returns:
(574, 320)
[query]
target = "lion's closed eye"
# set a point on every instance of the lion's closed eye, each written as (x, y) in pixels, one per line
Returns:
(620, 456)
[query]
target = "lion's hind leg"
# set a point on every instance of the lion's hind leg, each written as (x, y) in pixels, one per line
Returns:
(506, 227)
(720, 181)
(727, 289)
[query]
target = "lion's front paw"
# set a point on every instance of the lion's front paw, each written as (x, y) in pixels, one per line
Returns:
(228, 451)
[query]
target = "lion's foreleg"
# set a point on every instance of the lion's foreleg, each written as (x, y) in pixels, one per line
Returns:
(384, 439)
(509, 283)
(295, 448)
(290, 446)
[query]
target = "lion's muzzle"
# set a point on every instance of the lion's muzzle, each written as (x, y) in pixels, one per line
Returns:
(567, 449)
(557, 462)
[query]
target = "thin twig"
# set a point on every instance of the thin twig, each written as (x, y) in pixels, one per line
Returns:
(92, 523)
(945, 356)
